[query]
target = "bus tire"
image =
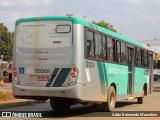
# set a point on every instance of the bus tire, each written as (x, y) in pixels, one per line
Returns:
(111, 99)
(60, 104)
(110, 104)
(99, 107)
(140, 99)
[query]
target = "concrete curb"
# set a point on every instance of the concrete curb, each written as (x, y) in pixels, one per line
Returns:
(156, 90)
(156, 86)
(18, 103)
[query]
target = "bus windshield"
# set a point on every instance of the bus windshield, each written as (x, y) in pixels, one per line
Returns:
(44, 34)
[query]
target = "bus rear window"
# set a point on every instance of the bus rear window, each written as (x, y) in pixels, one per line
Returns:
(63, 28)
(43, 34)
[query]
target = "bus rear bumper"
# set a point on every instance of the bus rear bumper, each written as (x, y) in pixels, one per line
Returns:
(46, 92)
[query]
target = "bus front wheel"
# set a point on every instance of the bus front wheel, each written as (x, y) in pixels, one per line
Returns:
(60, 104)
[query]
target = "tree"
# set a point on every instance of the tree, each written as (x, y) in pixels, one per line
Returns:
(6, 43)
(104, 24)
(101, 23)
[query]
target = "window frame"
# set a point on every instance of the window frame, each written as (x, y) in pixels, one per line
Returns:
(137, 57)
(104, 40)
(147, 66)
(101, 58)
(123, 63)
(118, 60)
(94, 44)
(86, 48)
(113, 48)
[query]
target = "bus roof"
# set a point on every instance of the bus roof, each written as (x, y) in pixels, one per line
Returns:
(85, 23)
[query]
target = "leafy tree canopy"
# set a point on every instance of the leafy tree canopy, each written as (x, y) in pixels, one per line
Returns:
(6, 43)
(104, 24)
(101, 23)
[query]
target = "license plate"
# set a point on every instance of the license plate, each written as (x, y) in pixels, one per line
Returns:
(43, 78)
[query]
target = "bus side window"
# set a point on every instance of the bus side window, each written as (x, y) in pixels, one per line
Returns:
(90, 45)
(104, 46)
(123, 53)
(139, 56)
(98, 47)
(145, 59)
(110, 49)
(136, 57)
(118, 58)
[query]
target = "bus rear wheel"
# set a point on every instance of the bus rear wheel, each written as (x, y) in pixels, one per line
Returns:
(110, 104)
(111, 99)
(60, 104)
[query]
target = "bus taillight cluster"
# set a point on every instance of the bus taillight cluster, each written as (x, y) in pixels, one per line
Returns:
(14, 69)
(73, 76)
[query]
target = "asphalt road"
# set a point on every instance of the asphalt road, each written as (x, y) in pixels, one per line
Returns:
(151, 104)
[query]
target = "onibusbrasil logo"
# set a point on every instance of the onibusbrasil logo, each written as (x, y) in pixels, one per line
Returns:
(22, 114)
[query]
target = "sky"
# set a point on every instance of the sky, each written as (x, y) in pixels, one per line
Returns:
(135, 19)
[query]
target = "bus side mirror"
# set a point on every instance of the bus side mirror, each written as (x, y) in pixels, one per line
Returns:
(147, 72)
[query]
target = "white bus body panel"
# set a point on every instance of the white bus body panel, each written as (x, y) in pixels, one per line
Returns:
(87, 86)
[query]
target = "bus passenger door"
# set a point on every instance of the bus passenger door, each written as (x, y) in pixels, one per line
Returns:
(130, 59)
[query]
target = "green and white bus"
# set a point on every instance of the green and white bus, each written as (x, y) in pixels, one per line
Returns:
(69, 60)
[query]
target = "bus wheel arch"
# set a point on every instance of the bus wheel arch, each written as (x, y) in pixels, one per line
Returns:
(109, 105)
(114, 85)
(144, 93)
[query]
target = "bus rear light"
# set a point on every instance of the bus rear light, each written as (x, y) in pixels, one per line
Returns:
(14, 68)
(16, 80)
(74, 69)
(14, 74)
(73, 75)
(71, 82)
(43, 59)
(14, 71)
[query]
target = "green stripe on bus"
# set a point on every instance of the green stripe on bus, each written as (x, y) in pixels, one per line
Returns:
(105, 73)
(52, 77)
(61, 77)
(85, 23)
(102, 79)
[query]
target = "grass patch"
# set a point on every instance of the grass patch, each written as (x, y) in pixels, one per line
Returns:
(5, 95)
